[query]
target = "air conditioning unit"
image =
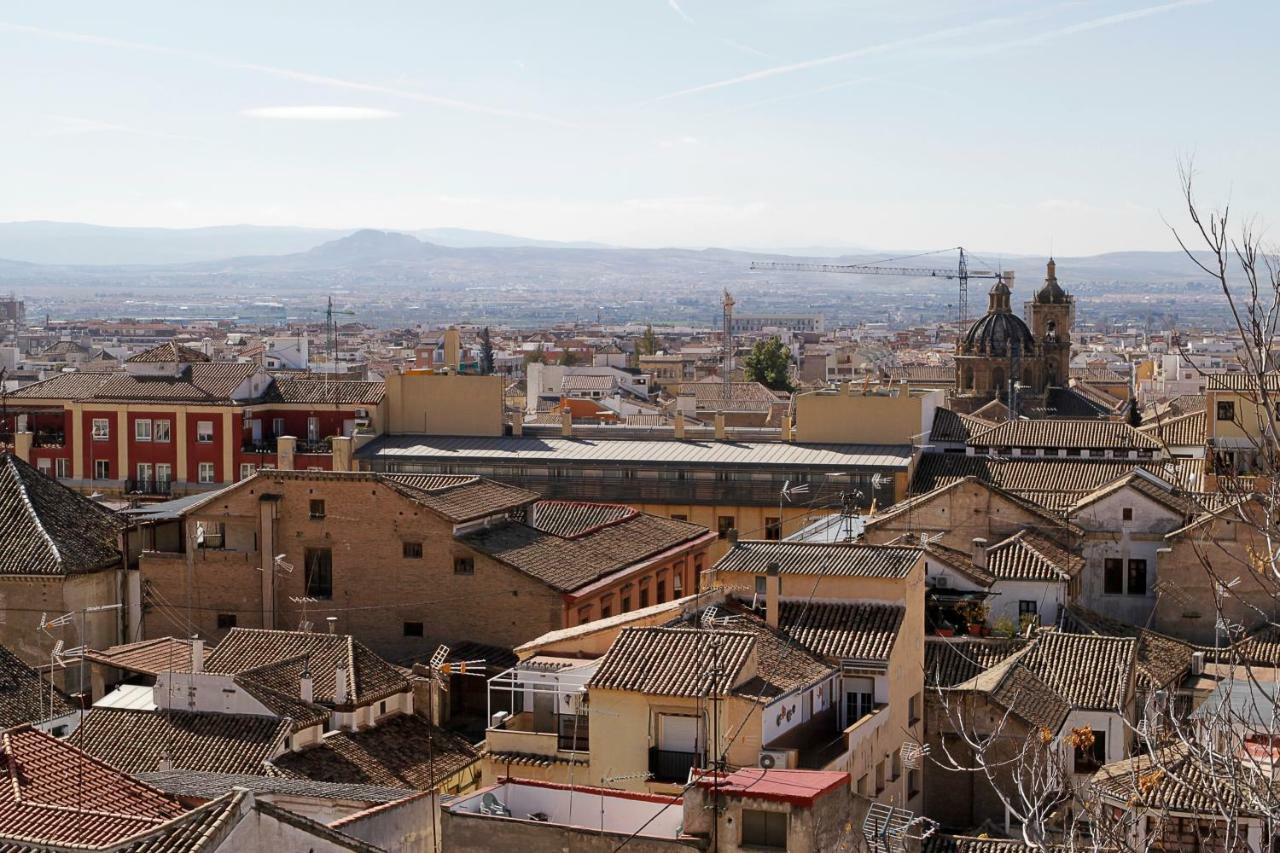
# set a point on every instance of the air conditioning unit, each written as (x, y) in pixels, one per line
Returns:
(941, 581)
(1197, 663)
(496, 721)
(771, 759)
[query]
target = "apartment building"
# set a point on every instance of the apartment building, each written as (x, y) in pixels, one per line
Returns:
(172, 422)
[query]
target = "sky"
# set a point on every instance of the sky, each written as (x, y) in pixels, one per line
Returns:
(1017, 126)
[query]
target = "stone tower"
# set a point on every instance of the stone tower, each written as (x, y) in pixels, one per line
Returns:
(1052, 314)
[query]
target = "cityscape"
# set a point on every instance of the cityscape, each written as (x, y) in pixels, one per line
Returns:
(520, 484)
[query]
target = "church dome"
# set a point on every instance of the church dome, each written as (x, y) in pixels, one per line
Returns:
(999, 331)
(1051, 293)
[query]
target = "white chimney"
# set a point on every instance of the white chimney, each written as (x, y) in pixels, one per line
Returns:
(772, 592)
(980, 552)
(306, 687)
(197, 654)
(340, 686)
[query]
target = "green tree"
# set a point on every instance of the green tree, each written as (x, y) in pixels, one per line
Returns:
(538, 355)
(486, 352)
(769, 363)
(648, 342)
(569, 358)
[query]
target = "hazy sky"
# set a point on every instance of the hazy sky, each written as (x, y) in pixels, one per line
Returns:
(1008, 125)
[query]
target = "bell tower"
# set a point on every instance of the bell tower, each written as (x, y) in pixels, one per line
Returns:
(1053, 312)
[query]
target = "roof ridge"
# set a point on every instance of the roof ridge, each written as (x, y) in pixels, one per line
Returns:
(33, 513)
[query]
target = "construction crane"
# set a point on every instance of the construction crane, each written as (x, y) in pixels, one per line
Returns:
(961, 272)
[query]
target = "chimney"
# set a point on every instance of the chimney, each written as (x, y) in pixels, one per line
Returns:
(306, 686)
(517, 424)
(732, 536)
(452, 349)
(340, 686)
(566, 422)
(720, 429)
(980, 552)
(678, 425)
(332, 620)
(197, 654)
(772, 592)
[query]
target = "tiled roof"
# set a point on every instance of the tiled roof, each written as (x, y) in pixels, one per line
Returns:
(1032, 506)
(204, 785)
(277, 687)
(579, 382)
(574, 518)
(1071, 403)
(961, 561)
(47, 529)
(466, 500)
(948, 662)
(150, 657)
(924, 374)
(64, 386)
(54, 794)
(1055, 483)
(168, 353)
(1023, 692)
(971, 844)
(369, 677)
(314, 390)
(1180, 502)
(64, 348)
(1178, 779)
(1161, 660)
(567, 564)
(1103, 375)
(956, 427)
(1181, 431)
(712, 392)
(820, 558)
(1091, 672)
(840, 630)
(204, 382)
(25, 697)
(137, 741)
(1063, 432)
(1028, 556)
(674, 661)
(392, 754)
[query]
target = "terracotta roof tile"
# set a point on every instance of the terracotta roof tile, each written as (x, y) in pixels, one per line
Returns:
(167, 353)
(1182, 431)
(673, 661)
(1091, 672)
(316, 390)
(150, 657)
(464, 500)
(956, 427)
(1068, 433)
(138, 741)
(820, 558)
(842, 631)
(948, 662)
(47, 529)
(25, 697)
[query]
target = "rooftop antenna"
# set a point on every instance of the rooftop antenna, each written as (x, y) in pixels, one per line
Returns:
(438, 670)
(303, 600)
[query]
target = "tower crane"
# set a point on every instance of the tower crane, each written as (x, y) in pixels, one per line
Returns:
(961, 272)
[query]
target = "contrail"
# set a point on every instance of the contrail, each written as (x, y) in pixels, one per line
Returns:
(285, 73)
(940, 35)
(675, 7)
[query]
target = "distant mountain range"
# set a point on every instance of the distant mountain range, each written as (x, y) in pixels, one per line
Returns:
(78, 244)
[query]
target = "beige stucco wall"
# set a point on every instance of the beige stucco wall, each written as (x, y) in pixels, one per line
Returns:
(445, 404)
(851, 416)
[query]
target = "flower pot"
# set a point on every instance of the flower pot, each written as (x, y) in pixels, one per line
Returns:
(976, 630)
(945, 632)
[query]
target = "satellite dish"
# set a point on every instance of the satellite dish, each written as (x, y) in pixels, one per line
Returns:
(767, 761)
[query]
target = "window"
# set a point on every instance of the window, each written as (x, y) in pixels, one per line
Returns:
(1126, 514)
(772, 528)
(317, 509)
(606, 608)
(247, 470)
(662, 590)
(44, 466)
(1137, 577)
(1026, 608)
(762, 588)
(1226, 410)
(144, 473)
(724, 524)
(913, 710)
(413, 550)
(413, 629)
(679, 516)
(895, 765)
(1113, 576)
(677, 584)
(764, 829)
(62, 468)
(1089, 759)
(226, 621)
(318, 574)
(313, 429)
(102, 469)
(880, 778)
(142, 430)
(205, 472)
(625, 606)
(101, 429)
(277, 427)
(204, 432)
(164, 472)
(913, 783)
(464, 566)
(160, 431)
(584, 614)
(644, 594)
(1098, 454)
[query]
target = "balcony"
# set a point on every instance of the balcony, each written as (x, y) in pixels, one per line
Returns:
(265, 445)
(323, 445)
(149, 488)
(47, 438)
(668, 766)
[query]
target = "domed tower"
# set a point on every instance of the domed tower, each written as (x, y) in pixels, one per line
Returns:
(998, 347)
(1052, 313)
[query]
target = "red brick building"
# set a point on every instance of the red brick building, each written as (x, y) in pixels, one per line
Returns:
(173, 421)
